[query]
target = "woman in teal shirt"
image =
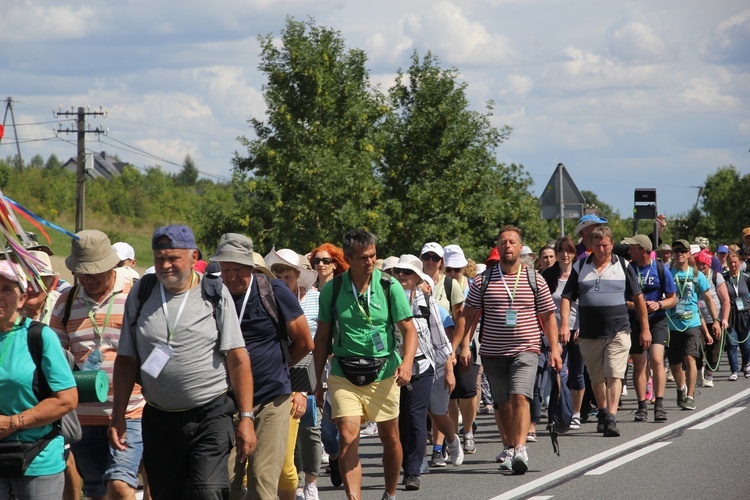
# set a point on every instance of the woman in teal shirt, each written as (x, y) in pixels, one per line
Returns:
(22, 417)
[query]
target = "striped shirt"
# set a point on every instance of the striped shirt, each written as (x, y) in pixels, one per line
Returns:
(309, 304)
(497, 338)
(81, 338)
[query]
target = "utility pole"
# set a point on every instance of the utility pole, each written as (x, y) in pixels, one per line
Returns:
(9, 107)
(81, 131)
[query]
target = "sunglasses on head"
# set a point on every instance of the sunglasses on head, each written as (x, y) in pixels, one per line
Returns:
(323, 260)
(432, 257)
(452, 269)
(405, 272)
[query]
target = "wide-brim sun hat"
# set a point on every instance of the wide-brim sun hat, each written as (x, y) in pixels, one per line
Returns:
(13, 272)
(91, 253)
(454, 256)
(260, 265)
(235, 248)
(411, 262)
(43, 257)
(288, 257)
(389, 262)
(589, 220)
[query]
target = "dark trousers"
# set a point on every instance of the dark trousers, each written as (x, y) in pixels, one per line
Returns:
(185, 453)
(412, 420)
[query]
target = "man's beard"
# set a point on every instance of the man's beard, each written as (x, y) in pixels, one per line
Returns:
(173, 280)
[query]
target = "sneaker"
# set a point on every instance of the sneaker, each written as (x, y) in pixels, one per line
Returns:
(411, 483)
(324, 458)
(689, 404)
(457, 454)
(681, 396)
(575, 423)
(520, 461)
(660, 415)
(310, 491)
(386, 496)
(437, 459)
(425, 467)
(746, 369)
(336, 479)
(601, 420)
(624, 390)
(299, 494)
(670, 377)
(371, 429)
(505, 458)
(531, 438)
(733, 377)
(469, 445)
(610, 427)
(708, 379)
(641, 415)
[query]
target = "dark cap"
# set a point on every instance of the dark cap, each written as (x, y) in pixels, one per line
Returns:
(179, 237)
(681, 243)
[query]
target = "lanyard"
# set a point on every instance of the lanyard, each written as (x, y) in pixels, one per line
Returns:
(643, 279)
(365, 314)
(9, 339)
(736, 284)
(247, 296)
(170, 330)
(515, 287)
(92, 317)
(688, 277)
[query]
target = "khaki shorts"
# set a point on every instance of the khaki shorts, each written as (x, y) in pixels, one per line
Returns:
(376, 402)
(606, 358)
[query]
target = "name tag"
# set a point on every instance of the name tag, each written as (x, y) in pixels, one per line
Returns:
(740, 304)
(679, 309)
(157, 360)
(377, 339)
(511, 317)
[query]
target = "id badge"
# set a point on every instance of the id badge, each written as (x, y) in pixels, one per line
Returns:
(377, 339)
(157, 360)
(679, 309)
(740, 304)
(511, 317)
(93, 361)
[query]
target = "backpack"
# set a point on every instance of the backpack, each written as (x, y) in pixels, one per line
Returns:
(68, 425)
(448, 285)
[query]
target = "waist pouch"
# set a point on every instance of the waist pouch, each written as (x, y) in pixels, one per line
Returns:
(362, 371)
(15, 457)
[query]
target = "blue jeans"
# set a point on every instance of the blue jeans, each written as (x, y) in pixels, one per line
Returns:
(99, 463)
(733, 343)
(329, 432)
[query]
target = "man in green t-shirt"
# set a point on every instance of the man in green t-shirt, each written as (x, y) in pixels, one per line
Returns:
(365, 313)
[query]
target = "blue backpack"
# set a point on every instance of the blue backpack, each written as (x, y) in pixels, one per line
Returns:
(560, 407)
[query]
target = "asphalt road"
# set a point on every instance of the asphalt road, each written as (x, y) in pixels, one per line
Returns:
(702, 454)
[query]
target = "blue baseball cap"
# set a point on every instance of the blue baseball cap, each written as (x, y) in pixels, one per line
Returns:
(179, 236)
(589, 220)
(722, 249)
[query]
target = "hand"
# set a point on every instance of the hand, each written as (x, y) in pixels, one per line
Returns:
(403, 374)
(465, 359)
(717, 329)
(709, 338)
(245, 438)
(450, 380)
(564, 336)
(555, 360)
(5, 427)
(118, 437)
(320, 395)
(724, 326)
(652, 306)
(646, 339)
(662, 220)
(298, 406)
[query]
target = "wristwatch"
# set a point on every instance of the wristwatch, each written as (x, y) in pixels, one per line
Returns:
(247, 414)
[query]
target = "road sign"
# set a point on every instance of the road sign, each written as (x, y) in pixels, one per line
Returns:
(561, 199)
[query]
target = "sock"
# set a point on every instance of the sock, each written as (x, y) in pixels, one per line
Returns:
(391, 497)
(642, 405)
(602, 411)
(659, 402)
(438, 448)
(577, 414)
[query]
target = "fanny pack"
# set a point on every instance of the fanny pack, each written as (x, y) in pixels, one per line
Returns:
(15, 457)
(361, 371)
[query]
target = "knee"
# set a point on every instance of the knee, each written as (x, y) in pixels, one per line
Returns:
(119, 489)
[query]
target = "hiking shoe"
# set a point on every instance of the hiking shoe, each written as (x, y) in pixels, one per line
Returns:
(660, 415)
(437, 459)
(505, 458)
(336, 479)
(624, 390)
(455, 451)
(733, 377)
(411, 483)
(641, 415)
(575, 423)
(310, 491)
(681, 396)
(610, 427)
(469, 445)
(689, 404)
(746, 369)
(520, 461)
(601, 420)
(708, 379)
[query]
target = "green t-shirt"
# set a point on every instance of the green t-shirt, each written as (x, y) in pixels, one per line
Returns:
(16, 395)
(355, 337)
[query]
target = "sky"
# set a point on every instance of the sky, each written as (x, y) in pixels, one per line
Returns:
(626, 95)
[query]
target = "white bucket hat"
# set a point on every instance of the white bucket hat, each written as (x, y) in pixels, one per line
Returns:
(411, 262)
(454, 257)
(290, 258)
(389, 262)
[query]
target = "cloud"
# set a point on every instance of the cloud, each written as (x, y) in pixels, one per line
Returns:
(32, 21)
(637, 43)
(729, 42)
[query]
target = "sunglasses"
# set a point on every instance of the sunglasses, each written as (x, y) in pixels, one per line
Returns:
(681, 250)
(405, 272)
(452, 269)
(324, 260)
(433, 258)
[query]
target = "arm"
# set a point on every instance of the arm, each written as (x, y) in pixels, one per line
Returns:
(716, 326)
(565, 318)
(450, 378)
(642, 313)
(723, 295)
(668, 302)
(241, 378)
(320, 354)
(302, 341)
(409, 334)
(549, 325)
(45, 412)
(125, 373)
(467, 318)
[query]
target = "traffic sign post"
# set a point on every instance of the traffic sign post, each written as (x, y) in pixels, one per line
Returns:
(561, 198)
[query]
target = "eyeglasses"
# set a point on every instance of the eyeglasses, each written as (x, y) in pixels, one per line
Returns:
(433, 258)
(324, 260)
(453, 269)
(681, 250)
(406, 272)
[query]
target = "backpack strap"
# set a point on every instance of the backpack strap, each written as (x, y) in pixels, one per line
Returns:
(40, 386)
(268, 299)
(337, 280)
(69, 304)
(448, 285)
(486, 277)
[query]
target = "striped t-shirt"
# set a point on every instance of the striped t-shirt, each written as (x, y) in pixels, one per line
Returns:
(81, 338)
(497, 338)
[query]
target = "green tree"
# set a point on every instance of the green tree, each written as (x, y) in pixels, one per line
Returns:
(37, 161)
(189, 173)
(724, 212)
(52, 162)
(309, 175)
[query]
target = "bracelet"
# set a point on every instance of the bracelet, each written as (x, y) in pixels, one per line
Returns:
(12, 425)
(659, 305)
(21, 422)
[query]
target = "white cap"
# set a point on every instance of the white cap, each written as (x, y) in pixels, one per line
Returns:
(432, 247)
(526, 250)
(481, 268)
(124, 251)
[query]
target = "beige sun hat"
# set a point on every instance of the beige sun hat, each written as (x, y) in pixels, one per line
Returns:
(288, 257)
(411, 262)
(91, 253)
(236, 248)
(260, 265)
(46, 268)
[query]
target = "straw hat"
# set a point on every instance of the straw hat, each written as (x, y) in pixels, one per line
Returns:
(288, 257)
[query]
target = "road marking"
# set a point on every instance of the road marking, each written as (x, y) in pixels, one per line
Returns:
(541, 497)
(718, 418)
(573, 468)
(627, 458)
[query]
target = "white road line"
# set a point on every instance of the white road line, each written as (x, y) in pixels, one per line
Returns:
(718, 418)
(541, 497)
(651, 436)
(627, 458)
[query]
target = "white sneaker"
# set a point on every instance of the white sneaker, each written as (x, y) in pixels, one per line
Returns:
(324, 459)
(505, 458)
(457, 453)
(371, 429)
(708, 379)
(624, 390)
(520, 461)
(670, 377)
(733, 377)
(299, 494)
(311, 491)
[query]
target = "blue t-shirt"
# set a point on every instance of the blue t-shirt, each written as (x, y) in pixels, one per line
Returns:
(16, 394)
(263, 339)
(653, 289)
(690, 285)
